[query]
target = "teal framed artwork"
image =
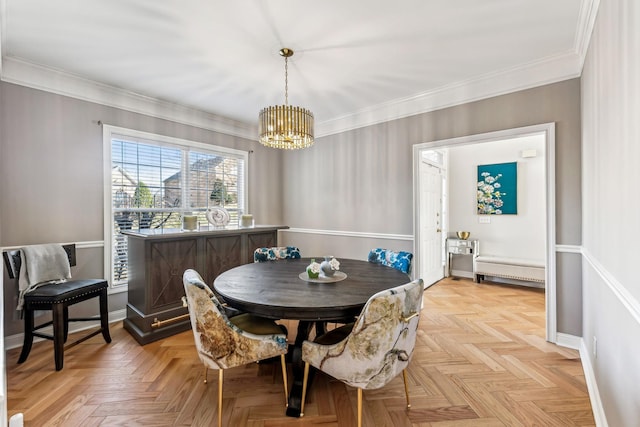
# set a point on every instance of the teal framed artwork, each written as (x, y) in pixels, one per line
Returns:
(498, 189)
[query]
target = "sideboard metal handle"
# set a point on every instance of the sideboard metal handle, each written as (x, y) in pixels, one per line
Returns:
(409, 317)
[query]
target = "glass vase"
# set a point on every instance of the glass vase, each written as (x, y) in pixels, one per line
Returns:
(325, 267)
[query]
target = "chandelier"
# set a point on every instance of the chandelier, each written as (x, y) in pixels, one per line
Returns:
(285, 126)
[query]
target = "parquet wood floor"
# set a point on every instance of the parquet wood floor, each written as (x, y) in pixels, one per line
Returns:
(481, 360)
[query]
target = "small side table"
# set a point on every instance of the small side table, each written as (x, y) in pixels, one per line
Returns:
(460, 247)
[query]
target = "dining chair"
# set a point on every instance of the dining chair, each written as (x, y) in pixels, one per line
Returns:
(223, 342)
(276, 253)
(371, 352)
(400, 260)
(46, 289)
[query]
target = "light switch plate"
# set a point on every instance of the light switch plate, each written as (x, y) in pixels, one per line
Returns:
(484, 219)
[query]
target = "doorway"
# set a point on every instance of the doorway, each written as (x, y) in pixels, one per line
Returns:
(425, 255)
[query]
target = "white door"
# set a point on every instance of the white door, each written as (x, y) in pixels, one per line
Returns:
(431, 223)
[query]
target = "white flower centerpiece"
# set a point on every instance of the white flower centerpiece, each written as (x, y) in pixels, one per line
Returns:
(313, 269)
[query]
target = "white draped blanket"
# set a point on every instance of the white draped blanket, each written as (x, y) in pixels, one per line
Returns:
(41, 264)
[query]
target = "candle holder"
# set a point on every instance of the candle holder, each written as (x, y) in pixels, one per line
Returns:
(189, 222)
(246, 221)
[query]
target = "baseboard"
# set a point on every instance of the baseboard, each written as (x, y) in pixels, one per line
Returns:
(569, 341)
(592, 386)
(15, 341)
(462, 273)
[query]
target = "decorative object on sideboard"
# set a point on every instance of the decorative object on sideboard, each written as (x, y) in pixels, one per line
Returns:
(189, 222)
(246, 221)
(464, 235)
(218, 217)
(329, 266)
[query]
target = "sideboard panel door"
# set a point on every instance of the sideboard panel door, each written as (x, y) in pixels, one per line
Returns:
(167, 263)
(221, 254)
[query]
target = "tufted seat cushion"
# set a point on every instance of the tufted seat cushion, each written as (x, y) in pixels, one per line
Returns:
(65, 291)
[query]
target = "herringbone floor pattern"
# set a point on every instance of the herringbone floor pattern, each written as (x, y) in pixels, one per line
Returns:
(480, 360)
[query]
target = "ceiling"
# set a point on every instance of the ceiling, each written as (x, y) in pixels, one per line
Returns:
(356, 62)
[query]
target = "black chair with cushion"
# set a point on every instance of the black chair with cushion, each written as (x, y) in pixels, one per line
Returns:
(57, 298)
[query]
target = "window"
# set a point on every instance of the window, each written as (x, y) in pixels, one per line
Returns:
(153, 180)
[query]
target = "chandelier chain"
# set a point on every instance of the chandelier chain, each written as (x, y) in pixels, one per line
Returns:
(286, 81)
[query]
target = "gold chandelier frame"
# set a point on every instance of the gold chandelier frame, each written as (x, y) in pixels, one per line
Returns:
(285, 126)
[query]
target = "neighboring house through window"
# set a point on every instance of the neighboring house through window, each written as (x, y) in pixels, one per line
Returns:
(153, 180)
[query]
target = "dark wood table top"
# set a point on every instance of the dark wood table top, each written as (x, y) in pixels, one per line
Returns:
(274, 290)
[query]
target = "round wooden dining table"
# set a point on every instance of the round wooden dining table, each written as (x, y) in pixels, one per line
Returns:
(281, 290)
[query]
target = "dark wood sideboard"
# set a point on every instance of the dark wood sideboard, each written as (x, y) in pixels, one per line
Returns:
(157, 260)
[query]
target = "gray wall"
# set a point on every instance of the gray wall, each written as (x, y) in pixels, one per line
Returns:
(611, 218)
(51, 176)
(361, 180)
(356, 181)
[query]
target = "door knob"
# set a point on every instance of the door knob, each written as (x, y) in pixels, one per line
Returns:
(438, 230)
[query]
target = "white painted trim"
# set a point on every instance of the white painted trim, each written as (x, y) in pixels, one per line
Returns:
(571, 249)
(79, 245)
(569, 341)
(623, 295)
(362, 235)
(592, 386)
(548, 70)
(27, 74)
(553, 69)
(15, 341)
(548, 129)
(586, 23)
(461, 273)
(550, 270)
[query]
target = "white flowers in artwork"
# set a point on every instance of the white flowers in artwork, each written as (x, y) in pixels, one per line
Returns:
(489, 194)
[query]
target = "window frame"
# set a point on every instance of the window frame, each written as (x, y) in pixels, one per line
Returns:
(110, 132)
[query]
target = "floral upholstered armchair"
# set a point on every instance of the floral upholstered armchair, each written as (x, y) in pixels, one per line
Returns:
(376, 348)
(276, 253)
(224, 343)
(400, 260)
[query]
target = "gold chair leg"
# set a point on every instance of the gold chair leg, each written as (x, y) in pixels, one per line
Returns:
(284, 380)
(406, 387)
(359, 407)
(220, 379)
(304, 387)
(206, 371)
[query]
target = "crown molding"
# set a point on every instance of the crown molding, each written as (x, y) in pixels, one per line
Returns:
(549, 70)
(584, 29)
(20, 72)
(545, 71)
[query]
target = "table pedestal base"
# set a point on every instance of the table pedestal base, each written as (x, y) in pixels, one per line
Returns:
(297, 367)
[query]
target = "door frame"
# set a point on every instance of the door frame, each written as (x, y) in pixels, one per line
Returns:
(546, 129)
